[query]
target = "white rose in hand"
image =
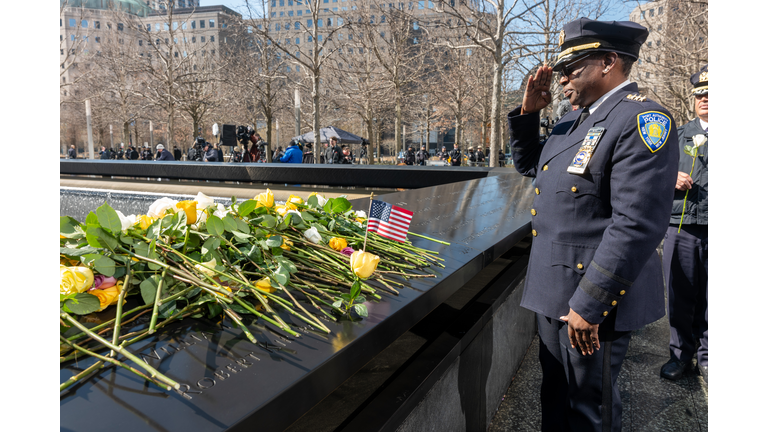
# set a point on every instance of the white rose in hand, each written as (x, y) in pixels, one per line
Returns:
(699, 140)
(312, 235)
(159, 207)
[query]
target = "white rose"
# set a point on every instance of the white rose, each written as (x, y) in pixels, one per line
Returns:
(360, 214)
(699, 140)
(126, 221)
(312, 235)
(207, 267)
(221, 211)
(321, 200)
(203, 201)
(159, 207)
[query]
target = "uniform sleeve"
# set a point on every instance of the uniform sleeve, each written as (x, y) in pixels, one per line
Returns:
(641, 189)
(524, 141)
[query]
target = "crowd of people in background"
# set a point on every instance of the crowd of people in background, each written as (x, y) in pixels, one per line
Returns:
(297, 152)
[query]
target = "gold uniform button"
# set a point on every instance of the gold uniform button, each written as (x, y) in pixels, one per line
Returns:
(537, 191)
(545, 167)
(622, 292)
(605, 313)
(574, 189)
(534, 233)
(613, 303)
(533, 212)
(579, 266)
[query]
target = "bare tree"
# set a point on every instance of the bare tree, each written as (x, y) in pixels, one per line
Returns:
(676, 48)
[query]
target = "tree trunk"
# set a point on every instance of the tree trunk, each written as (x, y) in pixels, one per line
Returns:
(316, 112)
(496, 108)
(126, 132)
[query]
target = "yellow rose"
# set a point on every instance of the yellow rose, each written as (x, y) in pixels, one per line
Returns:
(190, 208)
(265, 285)
(107, 296)
(337, 244)
(207, 267)
(75, 279)
(281, 210)
(226, 288)
(266, 199)
(292, 201)
(363, 264)
(144, 221)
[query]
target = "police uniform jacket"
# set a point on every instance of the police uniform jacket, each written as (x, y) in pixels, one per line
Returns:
(697, 203)
(595, 234)
(455, 155)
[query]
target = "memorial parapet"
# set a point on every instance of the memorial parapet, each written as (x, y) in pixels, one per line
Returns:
(230, 383)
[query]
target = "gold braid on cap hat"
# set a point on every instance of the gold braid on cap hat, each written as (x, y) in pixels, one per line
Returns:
(577, 48)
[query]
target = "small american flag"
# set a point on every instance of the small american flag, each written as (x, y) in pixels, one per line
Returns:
(389, 221)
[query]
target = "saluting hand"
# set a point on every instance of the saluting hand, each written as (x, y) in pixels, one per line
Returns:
(537, 95)
(582, 334)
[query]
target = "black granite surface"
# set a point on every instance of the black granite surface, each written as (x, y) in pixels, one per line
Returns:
(231, 383)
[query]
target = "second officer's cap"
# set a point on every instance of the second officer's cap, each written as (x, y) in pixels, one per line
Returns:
(585, 36)
(700, 81)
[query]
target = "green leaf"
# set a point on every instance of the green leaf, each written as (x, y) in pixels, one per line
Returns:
(68, 227)
(246, 207)
(275, 241)
(255, 254)
(337, 205)
(354, 291)
(83, 304)
(99, 238)
(147, 251)
(101, 264)
(215, 225)
(210, 245)
(337, 304)
(360, 299)
(167, 309)
(287, 264)
(307, 216)
(149, 289)
(229, 223)
(214, 310)
(280, 275)
(119, 272)
(153, 231)
(268, 221)
(108, 218)
(243, 226)
(91, 219)
(312, 201)
(241, 236)
(360, 310)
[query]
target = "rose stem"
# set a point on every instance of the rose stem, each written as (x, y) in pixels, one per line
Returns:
(75, 378)
(156, 307)
(152, 371)
(119, 313)
(116, 363)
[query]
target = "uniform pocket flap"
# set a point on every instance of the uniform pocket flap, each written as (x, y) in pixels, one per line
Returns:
(579, 184)
(574, 256)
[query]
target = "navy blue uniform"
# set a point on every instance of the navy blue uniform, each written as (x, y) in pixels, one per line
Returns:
(595, 236)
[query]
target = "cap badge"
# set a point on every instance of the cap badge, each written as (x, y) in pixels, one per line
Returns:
(562, 38)
(704, 77)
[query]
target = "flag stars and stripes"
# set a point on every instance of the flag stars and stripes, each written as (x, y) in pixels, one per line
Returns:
(389, 221)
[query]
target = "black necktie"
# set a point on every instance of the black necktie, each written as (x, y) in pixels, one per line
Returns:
(582, 117)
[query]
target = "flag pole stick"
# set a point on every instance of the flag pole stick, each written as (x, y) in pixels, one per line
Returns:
(366, 222)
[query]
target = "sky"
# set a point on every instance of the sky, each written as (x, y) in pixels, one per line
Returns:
(619, 13)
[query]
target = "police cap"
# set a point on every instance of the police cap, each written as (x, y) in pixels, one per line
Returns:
(700, 81)
(584, 36)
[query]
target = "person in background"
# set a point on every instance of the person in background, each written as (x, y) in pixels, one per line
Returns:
(479, 156)
(363, 152)
(219, 151)
(442, 155)
(502, 158)
(176, 153)
(455, 155)
(72, 153)
(686, 253)
(326, 156)
(346, 157)
(210, 155)
(336, 152)
(422, 156)
(293, 153)
(410, 156)
(309, 155)
(163, 154)
(146, 154)
(471, 157)
(104, 153)
(277, 154)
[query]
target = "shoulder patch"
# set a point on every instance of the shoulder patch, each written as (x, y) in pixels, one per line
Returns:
(653, 127)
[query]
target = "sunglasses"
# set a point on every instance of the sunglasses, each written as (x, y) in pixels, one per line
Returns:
(567, 69)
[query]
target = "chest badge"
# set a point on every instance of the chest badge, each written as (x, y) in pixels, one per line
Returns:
(587, 149)
(653, 127)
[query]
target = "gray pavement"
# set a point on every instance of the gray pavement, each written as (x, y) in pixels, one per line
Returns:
(650, 403)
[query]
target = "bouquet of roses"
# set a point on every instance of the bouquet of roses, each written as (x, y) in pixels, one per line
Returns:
(199, 258)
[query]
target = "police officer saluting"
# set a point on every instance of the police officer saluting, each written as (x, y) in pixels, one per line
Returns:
(686, 246)
(603, 191)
